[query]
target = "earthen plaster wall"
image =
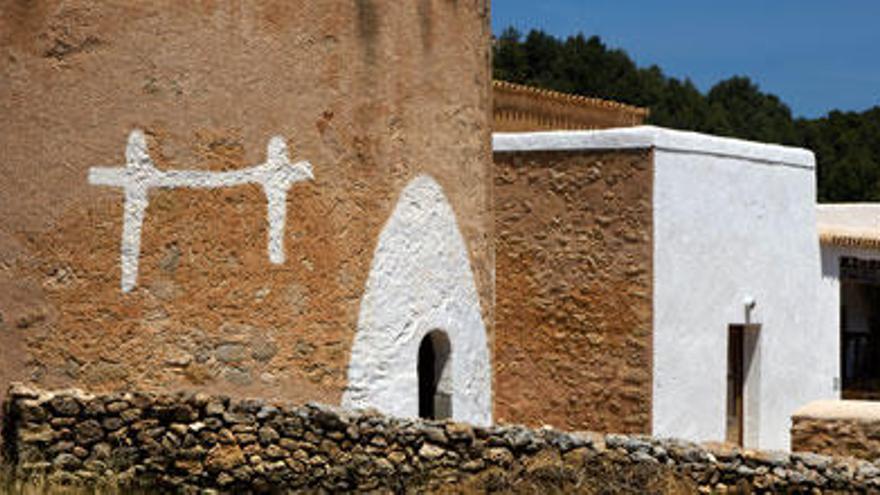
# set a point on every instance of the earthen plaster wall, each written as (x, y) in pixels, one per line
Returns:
(574, 289)
(371, 92)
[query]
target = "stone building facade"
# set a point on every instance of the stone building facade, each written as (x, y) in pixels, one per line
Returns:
(297, 201)
(845, 428)
(657, 281)
(207, 196)
(574, 284)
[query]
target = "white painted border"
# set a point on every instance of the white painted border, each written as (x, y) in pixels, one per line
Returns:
(653, 137)
(420, 280)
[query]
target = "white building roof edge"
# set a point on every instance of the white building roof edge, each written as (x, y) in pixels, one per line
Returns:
(653, 137)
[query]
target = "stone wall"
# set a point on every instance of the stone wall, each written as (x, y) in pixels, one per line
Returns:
(573, 287)
(374, 94)
(187, 441)
(838, 427)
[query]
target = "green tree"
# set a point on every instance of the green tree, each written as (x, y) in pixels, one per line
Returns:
(846, 144)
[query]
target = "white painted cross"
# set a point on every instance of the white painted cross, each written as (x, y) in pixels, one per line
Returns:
(276, 176)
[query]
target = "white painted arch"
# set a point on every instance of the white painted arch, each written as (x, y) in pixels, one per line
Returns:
(420, 280)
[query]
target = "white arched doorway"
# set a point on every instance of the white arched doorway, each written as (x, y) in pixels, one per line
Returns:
(420, 281)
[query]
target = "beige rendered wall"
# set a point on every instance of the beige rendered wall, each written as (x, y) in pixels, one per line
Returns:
(372, 93)
(573, 287)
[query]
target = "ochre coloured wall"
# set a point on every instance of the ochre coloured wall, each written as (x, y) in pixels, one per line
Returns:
(573, 287)
(372, 93)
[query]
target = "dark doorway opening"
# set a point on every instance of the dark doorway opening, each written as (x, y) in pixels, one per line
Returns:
(742, 342)
(735, 384)
(435, 380)
(860, 340)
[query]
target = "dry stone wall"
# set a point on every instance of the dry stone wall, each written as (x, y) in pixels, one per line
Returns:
(838, 427)
(189, 442)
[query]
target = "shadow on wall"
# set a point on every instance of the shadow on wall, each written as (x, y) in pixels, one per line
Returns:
(7, 445)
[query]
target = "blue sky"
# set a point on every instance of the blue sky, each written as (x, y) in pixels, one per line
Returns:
(816, 55)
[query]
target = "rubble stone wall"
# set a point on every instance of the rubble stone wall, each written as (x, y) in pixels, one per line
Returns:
(838, 427)
(187, 441)
(573, 252)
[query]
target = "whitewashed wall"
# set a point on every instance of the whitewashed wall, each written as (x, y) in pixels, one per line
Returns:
(733, 220)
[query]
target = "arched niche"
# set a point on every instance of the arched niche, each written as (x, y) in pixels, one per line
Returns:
(420, 281)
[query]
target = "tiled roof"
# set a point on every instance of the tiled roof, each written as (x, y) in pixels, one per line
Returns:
(570, 99)
(849, 238)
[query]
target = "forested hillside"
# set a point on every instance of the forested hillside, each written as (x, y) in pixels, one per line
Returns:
(847, 144)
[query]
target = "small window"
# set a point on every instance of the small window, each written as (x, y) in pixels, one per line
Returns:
(435, 376)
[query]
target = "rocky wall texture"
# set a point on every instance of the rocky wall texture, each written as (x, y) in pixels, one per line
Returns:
(842, 428)
(573, 289)
(372, 93)
(187, 442)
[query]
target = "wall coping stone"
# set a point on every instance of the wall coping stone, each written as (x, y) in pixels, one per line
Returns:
(656, 138)
(845, 410)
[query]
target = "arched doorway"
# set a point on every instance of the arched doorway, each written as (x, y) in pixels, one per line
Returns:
(435, 380)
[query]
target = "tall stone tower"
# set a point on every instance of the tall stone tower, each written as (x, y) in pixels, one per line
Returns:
(231, 196)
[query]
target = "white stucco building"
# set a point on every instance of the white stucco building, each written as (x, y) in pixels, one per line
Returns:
(739, 342)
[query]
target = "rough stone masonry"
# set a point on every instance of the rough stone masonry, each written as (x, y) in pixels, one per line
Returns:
(190, 442)
(371, 93)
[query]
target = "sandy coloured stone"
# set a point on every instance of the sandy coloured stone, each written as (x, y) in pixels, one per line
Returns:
(431, 452)
(267, 435)
(117, 407)
(231, 353)
(224, 458)
(67, 462)
(460, 431)
(263, 349)
(500, 456)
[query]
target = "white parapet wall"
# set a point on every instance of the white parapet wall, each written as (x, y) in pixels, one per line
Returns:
(849, 218)
(734, 222)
